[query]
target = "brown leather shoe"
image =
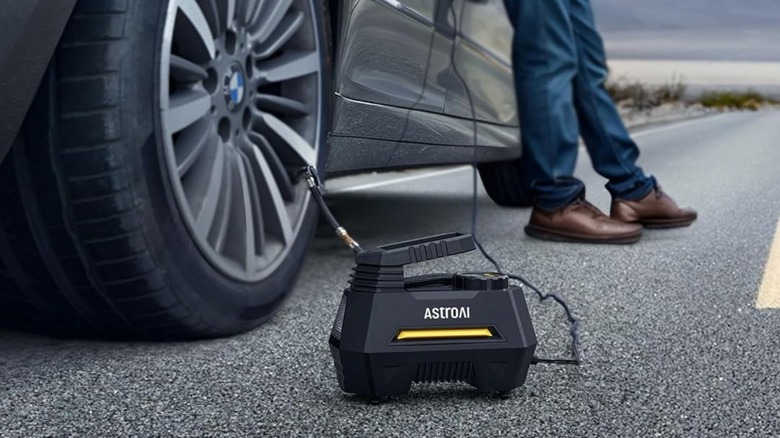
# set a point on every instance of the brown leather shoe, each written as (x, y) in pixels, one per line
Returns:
(581, 222)
(656, 210)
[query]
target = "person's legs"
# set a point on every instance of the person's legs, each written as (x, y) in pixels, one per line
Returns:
(545, 64)
(636, 198)
(612, 151)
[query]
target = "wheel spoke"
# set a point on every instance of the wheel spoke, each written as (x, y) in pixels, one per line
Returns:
(286, 29)
(185, 71)
(288, 66)
(271, 19)
(227, 13)
(232, 243)
(276, 165)
(281, 105)
(260, 8)
(191, 144)
(185, 108)
(255, 206)
(244, 219)
(248, 10)
(275, 216)
(205, 217)
(211, 12)
(220, 229)
(196, 30)
(288, 142)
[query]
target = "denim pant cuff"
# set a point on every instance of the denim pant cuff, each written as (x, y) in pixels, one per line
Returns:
(552, 203)
(639, 191)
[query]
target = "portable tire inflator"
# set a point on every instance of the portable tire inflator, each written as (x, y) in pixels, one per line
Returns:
(391, 331)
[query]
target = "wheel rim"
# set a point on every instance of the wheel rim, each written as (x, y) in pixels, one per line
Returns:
(240, 96)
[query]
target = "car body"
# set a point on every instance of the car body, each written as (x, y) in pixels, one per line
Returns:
(174, 133)
(398, 93)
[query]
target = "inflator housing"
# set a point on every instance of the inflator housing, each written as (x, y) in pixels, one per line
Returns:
(391, 331)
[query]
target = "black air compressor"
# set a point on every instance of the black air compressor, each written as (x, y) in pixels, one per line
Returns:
(392, 331)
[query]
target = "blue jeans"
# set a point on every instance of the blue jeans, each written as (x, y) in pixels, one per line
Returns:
(560, 70)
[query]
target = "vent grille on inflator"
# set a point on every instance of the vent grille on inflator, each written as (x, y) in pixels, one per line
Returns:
(431, 372)
(339, 322)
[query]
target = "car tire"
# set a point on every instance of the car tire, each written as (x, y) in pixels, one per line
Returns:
(505, 183)
(153, 193)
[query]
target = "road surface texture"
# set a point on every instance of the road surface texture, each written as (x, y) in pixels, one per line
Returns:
(674, 344)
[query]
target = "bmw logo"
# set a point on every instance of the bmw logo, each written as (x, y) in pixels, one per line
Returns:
(234, 86)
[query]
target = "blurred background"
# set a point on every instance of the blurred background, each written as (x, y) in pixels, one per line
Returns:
(715, 45)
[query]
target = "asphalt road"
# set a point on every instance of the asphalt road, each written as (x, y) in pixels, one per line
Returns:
(674, 345)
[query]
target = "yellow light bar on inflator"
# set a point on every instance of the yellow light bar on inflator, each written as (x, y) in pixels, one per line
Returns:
(434, 334)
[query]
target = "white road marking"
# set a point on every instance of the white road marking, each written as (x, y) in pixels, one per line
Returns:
(401, 180)
(769, 293)
(674, 126)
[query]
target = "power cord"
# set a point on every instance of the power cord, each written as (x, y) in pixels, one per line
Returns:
(573, 321)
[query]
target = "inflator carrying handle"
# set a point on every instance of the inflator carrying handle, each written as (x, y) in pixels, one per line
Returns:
(419, 250)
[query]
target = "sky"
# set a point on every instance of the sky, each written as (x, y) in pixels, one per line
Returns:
(730, 30)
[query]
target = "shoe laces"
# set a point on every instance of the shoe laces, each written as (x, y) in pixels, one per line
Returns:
(585, 203)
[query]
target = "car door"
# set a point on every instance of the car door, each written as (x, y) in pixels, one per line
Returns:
(385, 57)
(482, 62)
(394, 72)
(391, 83)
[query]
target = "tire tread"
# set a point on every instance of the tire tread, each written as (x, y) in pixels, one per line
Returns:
(97, 250)
(505, 184)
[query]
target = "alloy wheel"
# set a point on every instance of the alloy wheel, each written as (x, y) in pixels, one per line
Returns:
(241, 108)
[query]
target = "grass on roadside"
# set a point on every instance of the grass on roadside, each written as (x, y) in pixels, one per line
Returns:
(637, 95)
(746, 100)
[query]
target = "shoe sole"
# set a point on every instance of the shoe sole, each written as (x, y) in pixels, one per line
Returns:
(665, 224)
(542, 233)
(661, 224)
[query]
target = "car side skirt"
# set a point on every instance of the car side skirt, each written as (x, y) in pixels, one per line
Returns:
(369, 136)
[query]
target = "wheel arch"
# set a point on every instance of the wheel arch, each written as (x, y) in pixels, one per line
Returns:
(28, 36)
